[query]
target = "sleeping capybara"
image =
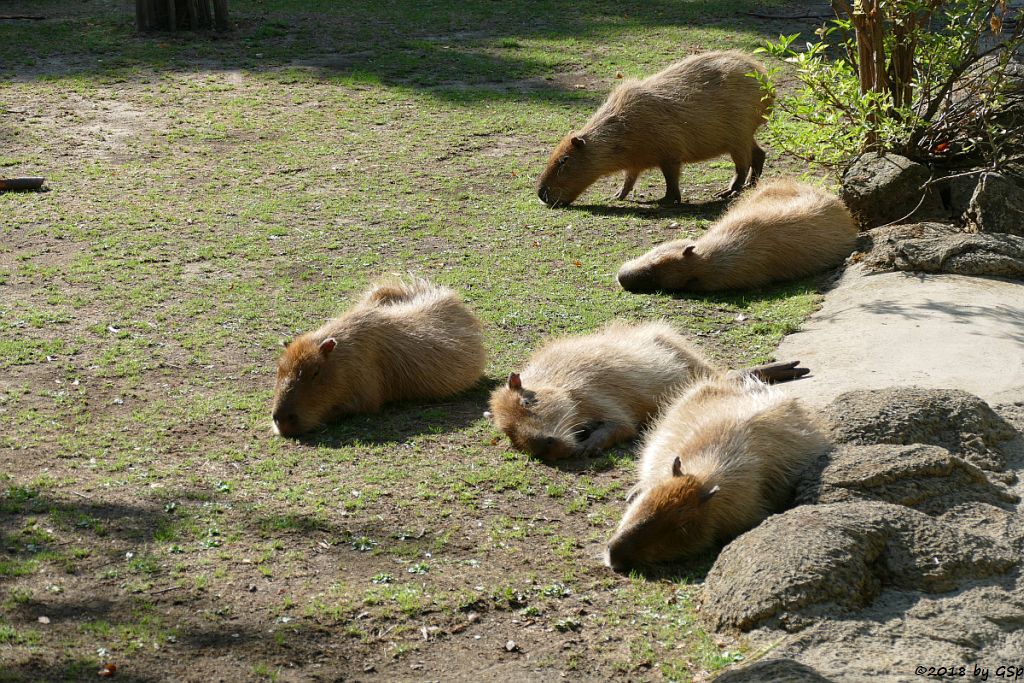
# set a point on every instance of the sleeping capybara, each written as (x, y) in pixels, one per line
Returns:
(720, 459)
(704, 106)
(403, 340)
(782, 230)
(582, 394)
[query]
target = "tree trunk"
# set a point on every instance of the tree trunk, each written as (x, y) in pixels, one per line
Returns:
(173, 15)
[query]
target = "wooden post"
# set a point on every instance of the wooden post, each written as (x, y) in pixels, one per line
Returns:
(220, 15)
(141, 15)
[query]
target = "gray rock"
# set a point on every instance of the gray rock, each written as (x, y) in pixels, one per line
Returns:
(942, 248)
(926, 478)
(773, 671)
(997, 205)
(955, 420)
(818, 561)
(881, 189)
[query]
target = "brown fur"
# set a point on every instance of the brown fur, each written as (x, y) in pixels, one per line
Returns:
(580, 395)
(697, 109)
(783, 230)
(721, 458)
(402, 340)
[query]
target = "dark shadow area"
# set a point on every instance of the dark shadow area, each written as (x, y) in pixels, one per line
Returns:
(708, 210)
(465, 51)
(601, 463)
(690, 571)
(746, 297)
(71, 669)
(399, 422)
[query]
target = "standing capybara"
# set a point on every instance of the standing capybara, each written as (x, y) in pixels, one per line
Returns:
(783, 230)
(720, 459)
(580, 395)
(402, 340)
(697, 109)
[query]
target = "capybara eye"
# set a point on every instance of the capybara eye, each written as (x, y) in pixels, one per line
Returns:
(562, 160)
(551, 441)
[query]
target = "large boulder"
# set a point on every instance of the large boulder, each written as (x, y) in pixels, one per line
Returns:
(773, 671)
(929, 479)
(886, 188)
(818, 561)
(941, 248)
(997, 205)
(960, 422)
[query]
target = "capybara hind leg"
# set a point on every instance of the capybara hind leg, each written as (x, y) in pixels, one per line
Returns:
(627, 184)
(742, 162)
(757, 156)
(671, 171)
(773, 373)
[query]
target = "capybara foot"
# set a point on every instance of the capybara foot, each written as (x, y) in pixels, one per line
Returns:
(773, 373)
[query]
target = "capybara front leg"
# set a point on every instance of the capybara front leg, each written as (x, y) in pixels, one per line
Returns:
(757, 157)
(627, 184)
(671, 171)
(606, 436)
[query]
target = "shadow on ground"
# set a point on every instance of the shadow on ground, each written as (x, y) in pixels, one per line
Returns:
(474, 50)
(400, 422)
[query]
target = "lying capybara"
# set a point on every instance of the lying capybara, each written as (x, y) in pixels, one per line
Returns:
(697, 109)
(580, 395)
(722, 457)
(783, 230)
(404, 339)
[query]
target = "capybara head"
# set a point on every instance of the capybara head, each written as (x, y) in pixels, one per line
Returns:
(308, 385)
(662, 524)
(673, 266)
(574, 166)
(542, 423)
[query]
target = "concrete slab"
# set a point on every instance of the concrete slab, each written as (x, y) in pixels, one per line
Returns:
(941, 331)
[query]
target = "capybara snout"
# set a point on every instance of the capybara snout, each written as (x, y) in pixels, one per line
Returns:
(286, 423)
(638, 280)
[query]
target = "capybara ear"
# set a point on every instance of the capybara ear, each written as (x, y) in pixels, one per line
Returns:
(578, 142)
(677, 467)
(688, 250)
(514, 382)
(284, 343)
(705, 496)
(327, 345)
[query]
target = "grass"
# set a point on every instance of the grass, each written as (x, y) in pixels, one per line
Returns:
(213, 195)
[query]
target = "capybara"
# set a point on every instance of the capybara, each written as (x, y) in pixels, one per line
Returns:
(720, 459)
(579, 395)
(783, 230)
(403, 340)
(697, 109)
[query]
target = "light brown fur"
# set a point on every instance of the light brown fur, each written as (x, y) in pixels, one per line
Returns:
(720, 459)
(582, 394)
(699, 108)
(402, 340)
(783, 230)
